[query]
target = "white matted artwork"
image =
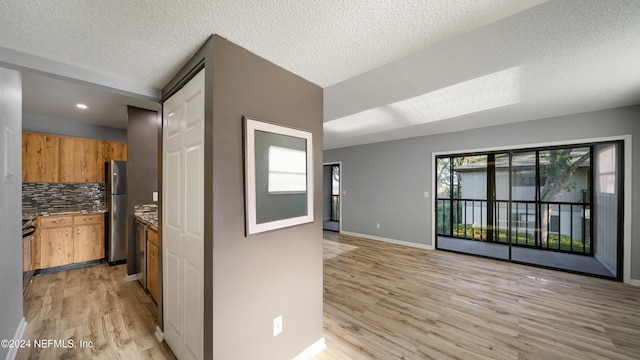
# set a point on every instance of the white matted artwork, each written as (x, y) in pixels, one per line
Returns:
(278, 176)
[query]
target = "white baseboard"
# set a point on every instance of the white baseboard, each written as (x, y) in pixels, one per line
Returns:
(11, 355)
(392, 241)
(633, 282)
(312, 350)
(159, 334)
(133, 277)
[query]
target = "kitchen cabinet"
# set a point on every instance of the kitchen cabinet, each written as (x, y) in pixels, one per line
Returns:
(88, 237)
(54, 158)
(152, 263)
(56, 241)
(114, 150)
(81, 160)
(64, 240)
(40, 157)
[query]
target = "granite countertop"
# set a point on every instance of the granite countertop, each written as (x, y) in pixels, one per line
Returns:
(148, 218)
(147, 214)
(31, 214)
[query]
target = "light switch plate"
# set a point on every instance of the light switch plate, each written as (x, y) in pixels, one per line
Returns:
(155, 196)
(277, 325)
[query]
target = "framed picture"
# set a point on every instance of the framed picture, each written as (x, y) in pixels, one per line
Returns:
(278, 176)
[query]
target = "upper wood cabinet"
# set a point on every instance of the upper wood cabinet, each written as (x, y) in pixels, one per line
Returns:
(40, 154)
(53, 158)
(81, 160)
(114, 150)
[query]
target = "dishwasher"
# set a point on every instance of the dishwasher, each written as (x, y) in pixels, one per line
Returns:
(141, 244)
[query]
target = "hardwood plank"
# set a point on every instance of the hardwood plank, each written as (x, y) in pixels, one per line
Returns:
(386, 301)
(92, 304)
(381, 301)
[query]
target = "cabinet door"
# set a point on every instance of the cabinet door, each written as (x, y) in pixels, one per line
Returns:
(88, 243)
(81, 160)
(40, 154)
(56, 247)
(114, 150)
(92, 160)
(88, 237)
(152, 270)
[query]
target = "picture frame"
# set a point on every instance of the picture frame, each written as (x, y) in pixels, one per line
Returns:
(278, 176)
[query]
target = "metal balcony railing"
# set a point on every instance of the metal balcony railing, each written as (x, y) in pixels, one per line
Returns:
(558, 226)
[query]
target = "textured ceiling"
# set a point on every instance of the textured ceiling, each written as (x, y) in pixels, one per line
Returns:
(323, 41)
(385, 65)
(558, 58)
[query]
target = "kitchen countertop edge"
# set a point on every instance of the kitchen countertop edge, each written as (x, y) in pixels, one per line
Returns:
(32, 214)
(147, 221)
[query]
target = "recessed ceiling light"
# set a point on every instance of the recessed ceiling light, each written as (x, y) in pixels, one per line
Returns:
(81, 106)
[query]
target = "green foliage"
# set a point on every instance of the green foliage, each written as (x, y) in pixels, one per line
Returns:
(558, 166)
(521, 238)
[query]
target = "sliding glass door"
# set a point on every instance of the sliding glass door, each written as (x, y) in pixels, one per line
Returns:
(535, 206)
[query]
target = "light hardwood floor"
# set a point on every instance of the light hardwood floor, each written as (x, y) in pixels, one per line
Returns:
(385, 301)
(381, 301)
(92, 304)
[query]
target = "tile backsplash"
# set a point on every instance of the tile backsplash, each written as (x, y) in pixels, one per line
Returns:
(39, 196)
(145, 208)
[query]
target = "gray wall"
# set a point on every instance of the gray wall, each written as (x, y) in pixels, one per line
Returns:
(259, 277)
(10, 205)
(142, 169)
(385, 182)
(58, 126)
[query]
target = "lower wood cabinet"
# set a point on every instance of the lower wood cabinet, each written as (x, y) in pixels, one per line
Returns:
(64, 240)
(88, 237)
(152, 263)
(56, 241)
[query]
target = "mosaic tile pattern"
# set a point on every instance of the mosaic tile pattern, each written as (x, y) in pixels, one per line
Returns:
(56, 196)
(145, 208)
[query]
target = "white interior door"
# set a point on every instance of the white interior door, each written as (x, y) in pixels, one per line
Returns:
(183, 215)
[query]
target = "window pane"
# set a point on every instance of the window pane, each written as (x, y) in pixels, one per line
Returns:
(443, 178)
(564, 175)
(470, 177)
(523, 176)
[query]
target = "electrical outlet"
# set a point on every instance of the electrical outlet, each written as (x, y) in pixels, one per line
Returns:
(377, 225)
(155, 196)
(277, 325)
(426, 194)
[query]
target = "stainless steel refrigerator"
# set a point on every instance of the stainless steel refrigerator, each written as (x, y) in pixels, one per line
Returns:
(116, 173)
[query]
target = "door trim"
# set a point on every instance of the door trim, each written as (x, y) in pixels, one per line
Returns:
(339, 163)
